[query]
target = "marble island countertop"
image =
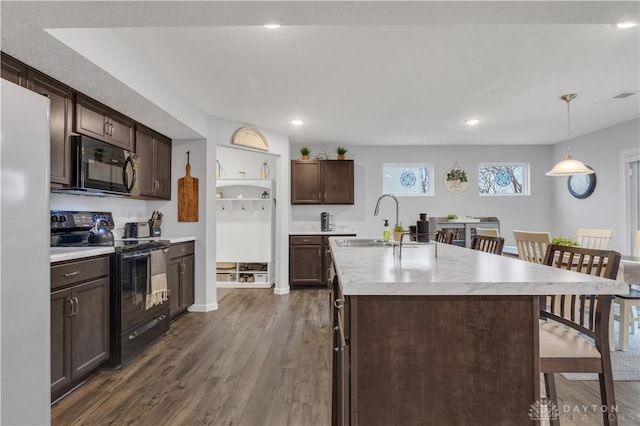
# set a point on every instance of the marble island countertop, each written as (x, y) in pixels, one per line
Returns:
(455, 271)
(59, 254)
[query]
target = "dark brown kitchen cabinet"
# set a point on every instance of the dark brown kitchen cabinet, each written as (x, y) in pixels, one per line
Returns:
(13, 71)
(310, 260)
(306, 260)
(79, 321)
(181, 278)
(322, 181)
(341, 385)
(60, 123)
(98, 121)
(154, 150)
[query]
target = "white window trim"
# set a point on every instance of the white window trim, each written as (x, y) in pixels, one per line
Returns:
(526, 184)
(626, 157)
(431, 190)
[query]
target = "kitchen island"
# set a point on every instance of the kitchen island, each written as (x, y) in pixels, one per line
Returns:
(446, 340)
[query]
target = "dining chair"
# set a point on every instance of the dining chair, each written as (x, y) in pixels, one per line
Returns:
(594, 238)
(532, 246)
(488, 232)
(487, 244)
(568, 321)
(636, 249)
(444, 237)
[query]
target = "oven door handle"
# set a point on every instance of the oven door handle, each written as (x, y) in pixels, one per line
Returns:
(137, 255)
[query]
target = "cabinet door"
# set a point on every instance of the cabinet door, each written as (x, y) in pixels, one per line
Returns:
(144, 148)
(187, 282)
(60, 339)
(306, 266)
(121, 131)
(337, 177)
(90, 325)
(13, 71)
(91, 118)
(162, 167)
(60, 120)
(306, 185)
(173, 282)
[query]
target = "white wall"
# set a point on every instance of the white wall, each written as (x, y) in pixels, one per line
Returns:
(526, 212)
(603, 209)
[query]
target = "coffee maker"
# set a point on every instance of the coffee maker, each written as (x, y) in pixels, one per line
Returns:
(326, 222)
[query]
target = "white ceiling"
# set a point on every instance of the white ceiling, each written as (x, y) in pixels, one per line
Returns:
(370, 73)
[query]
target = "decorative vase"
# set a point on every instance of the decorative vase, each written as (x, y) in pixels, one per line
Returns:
(340, 156)
(305, 157)
(397, 235)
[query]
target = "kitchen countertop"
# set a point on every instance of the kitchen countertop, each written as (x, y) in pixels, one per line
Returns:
(59, 254)
(455, 271)
(312, 228)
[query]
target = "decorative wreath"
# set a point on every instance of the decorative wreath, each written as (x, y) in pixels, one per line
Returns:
(457, 174)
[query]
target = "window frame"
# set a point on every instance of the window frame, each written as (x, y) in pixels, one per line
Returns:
(430, 173)
(526, 184)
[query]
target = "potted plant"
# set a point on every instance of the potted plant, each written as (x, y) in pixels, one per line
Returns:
(452, 217)
(561, 241)
(398, 230)
(341, 152)
(305, 153)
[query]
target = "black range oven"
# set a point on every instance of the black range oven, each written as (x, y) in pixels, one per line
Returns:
(139, 295)
(135, 320)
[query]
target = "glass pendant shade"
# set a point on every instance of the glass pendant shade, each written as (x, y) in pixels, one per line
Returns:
(569, 167)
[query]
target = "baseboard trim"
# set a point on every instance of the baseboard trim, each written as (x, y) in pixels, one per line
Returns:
(281, 290)
(203, 308)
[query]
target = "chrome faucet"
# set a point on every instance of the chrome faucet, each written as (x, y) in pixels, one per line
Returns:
(375, 213)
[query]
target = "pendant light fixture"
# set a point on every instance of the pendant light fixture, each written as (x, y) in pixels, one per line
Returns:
(569, 166)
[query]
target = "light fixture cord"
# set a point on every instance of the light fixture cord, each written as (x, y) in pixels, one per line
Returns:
(568, 126)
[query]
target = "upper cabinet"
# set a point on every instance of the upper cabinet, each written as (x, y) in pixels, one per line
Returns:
(154, 150)
(321, 181)
(14, 71)
(100, 122)
(60, 121)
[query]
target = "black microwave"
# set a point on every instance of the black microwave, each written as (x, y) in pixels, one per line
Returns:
(101, 168)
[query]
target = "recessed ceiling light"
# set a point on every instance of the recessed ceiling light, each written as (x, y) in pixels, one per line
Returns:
(624, 25)
(472, 122)
(297, 122)
(272, 26)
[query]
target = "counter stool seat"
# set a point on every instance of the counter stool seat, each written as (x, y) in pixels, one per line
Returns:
(629, 315)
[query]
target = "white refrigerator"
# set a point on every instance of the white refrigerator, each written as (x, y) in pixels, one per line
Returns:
(25, 365)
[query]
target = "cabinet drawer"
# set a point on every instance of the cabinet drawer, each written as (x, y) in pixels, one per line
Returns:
(305, 239)
(63, 274)
(180, 249)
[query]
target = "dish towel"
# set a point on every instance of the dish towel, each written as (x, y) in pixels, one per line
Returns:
(157, 291)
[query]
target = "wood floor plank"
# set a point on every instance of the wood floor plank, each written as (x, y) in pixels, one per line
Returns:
(261, 359)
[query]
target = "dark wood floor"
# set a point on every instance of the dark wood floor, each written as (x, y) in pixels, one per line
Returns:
(261, 359)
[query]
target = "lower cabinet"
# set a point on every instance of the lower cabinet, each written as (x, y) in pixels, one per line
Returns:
(310, 260)
(181, 278)
(79, 321)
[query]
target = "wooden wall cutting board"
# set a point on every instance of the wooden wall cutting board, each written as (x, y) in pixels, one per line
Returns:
(188, 196)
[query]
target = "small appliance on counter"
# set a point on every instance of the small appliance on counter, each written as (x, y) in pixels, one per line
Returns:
(136, 230)
(326, 222)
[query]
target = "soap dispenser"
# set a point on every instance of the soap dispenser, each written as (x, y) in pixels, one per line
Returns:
(386, 233)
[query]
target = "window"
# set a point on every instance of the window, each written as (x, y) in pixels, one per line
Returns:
(408, 179)
(503, 178)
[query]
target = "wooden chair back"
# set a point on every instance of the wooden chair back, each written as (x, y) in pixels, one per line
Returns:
(588, 314)
(444, 237)
(532, 246)
(636, 250)
(487, 244)
(594, 238)
(488, 232)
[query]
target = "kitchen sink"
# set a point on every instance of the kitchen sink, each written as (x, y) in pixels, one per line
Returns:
(367, 242)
